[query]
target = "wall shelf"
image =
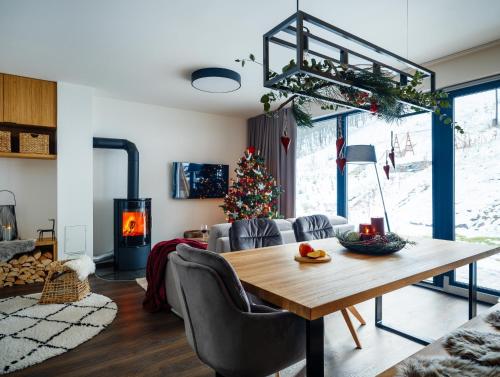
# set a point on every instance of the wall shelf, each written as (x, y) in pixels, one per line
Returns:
(32, 156)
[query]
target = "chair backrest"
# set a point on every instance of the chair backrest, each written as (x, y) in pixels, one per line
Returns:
(254, 233)
(211, 298)
(313, 227)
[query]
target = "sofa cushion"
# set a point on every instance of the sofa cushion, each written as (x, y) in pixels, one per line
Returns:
(283, 224)
(217, 231)
(334, 220)
(222, 268)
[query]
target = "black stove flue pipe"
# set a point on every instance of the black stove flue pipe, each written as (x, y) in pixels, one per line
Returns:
(133, 161)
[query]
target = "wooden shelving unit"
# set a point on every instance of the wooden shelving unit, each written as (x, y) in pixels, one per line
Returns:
(47, 244)
(28, 106)
(32, 156)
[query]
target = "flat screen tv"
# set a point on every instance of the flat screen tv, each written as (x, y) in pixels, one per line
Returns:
(199, 181)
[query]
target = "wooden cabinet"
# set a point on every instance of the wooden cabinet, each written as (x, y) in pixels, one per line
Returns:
(29, 101)
(1, 97)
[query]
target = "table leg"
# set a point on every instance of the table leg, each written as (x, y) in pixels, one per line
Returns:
(472, 290)
(380, 324)
(315, 345)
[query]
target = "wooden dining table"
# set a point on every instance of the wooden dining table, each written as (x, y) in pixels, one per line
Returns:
(314, 290)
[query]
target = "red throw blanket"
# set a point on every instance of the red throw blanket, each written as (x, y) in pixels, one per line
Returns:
(156, 294)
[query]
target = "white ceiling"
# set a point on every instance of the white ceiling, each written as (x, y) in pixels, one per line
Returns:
(145, 50)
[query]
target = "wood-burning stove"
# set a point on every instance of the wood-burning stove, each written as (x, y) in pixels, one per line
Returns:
(132, 216)
(132, 239)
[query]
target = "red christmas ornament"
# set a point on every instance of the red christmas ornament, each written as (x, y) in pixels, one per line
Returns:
(374, 107)
(392, 157)
(341, 164)
(386, 170)
(251, 150)
(285, 141)
(340, 145)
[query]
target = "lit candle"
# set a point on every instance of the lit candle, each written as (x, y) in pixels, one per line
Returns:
(366, 231)
(378, 225)
(7, 233)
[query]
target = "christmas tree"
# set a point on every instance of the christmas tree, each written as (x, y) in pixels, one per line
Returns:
(254, 192)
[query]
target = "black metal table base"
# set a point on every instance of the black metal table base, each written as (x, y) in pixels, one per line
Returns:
(315, 348)
(420, 340)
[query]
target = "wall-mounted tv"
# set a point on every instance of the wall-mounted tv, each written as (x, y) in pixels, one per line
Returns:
(199, 181)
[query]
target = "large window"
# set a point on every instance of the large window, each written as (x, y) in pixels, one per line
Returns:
(477, 180)
(316, 170)
(407, 192)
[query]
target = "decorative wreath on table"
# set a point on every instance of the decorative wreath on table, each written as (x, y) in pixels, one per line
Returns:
(378, 245)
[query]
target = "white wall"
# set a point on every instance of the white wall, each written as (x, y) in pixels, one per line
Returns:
(162, 135)
(74, 169)
(34, 184)
(467, 65)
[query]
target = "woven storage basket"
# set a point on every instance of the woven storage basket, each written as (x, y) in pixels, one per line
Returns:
(33, 143)
(62, 285)
(5, 145)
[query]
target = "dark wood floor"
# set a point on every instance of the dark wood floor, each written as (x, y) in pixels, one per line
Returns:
(138, 343)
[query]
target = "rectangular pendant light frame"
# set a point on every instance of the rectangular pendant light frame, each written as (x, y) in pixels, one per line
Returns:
(301, 35)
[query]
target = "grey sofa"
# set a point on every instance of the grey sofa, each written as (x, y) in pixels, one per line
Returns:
(218, 241)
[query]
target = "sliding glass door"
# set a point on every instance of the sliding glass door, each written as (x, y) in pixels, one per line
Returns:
(477, 179)
(408, 191)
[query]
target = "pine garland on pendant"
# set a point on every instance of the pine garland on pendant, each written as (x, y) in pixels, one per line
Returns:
(254, 192)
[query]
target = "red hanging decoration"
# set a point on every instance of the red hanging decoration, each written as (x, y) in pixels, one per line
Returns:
(374, 107)
(341, 164)
(392, 156)
(386, 167)
(386, 170)
(340, 145)
(285, 140)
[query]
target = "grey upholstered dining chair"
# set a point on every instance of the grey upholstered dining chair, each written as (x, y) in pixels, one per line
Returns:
(227, 332)
(315, 227)
(254, 233)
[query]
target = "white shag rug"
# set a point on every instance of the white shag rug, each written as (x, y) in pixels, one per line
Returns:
(31, 333)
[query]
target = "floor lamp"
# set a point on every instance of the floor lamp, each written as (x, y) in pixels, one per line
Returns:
(365, 154)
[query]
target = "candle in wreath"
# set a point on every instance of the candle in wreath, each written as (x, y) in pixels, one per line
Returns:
(366, 231)
(378, 225)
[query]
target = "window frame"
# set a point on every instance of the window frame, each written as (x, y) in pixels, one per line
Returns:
(443, 180)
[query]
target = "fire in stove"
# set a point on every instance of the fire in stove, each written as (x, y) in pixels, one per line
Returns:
(133, 224)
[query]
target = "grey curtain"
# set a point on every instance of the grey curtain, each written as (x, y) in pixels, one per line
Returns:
(264, 132)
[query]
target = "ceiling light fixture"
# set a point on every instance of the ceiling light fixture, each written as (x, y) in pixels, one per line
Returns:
(216, 80)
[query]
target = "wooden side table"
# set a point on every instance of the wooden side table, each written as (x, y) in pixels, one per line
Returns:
(196, 235)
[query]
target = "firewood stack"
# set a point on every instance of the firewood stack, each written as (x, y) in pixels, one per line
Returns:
(26, 268)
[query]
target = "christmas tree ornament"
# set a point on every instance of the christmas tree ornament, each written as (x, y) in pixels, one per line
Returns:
(373, 107)
(392, 156)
